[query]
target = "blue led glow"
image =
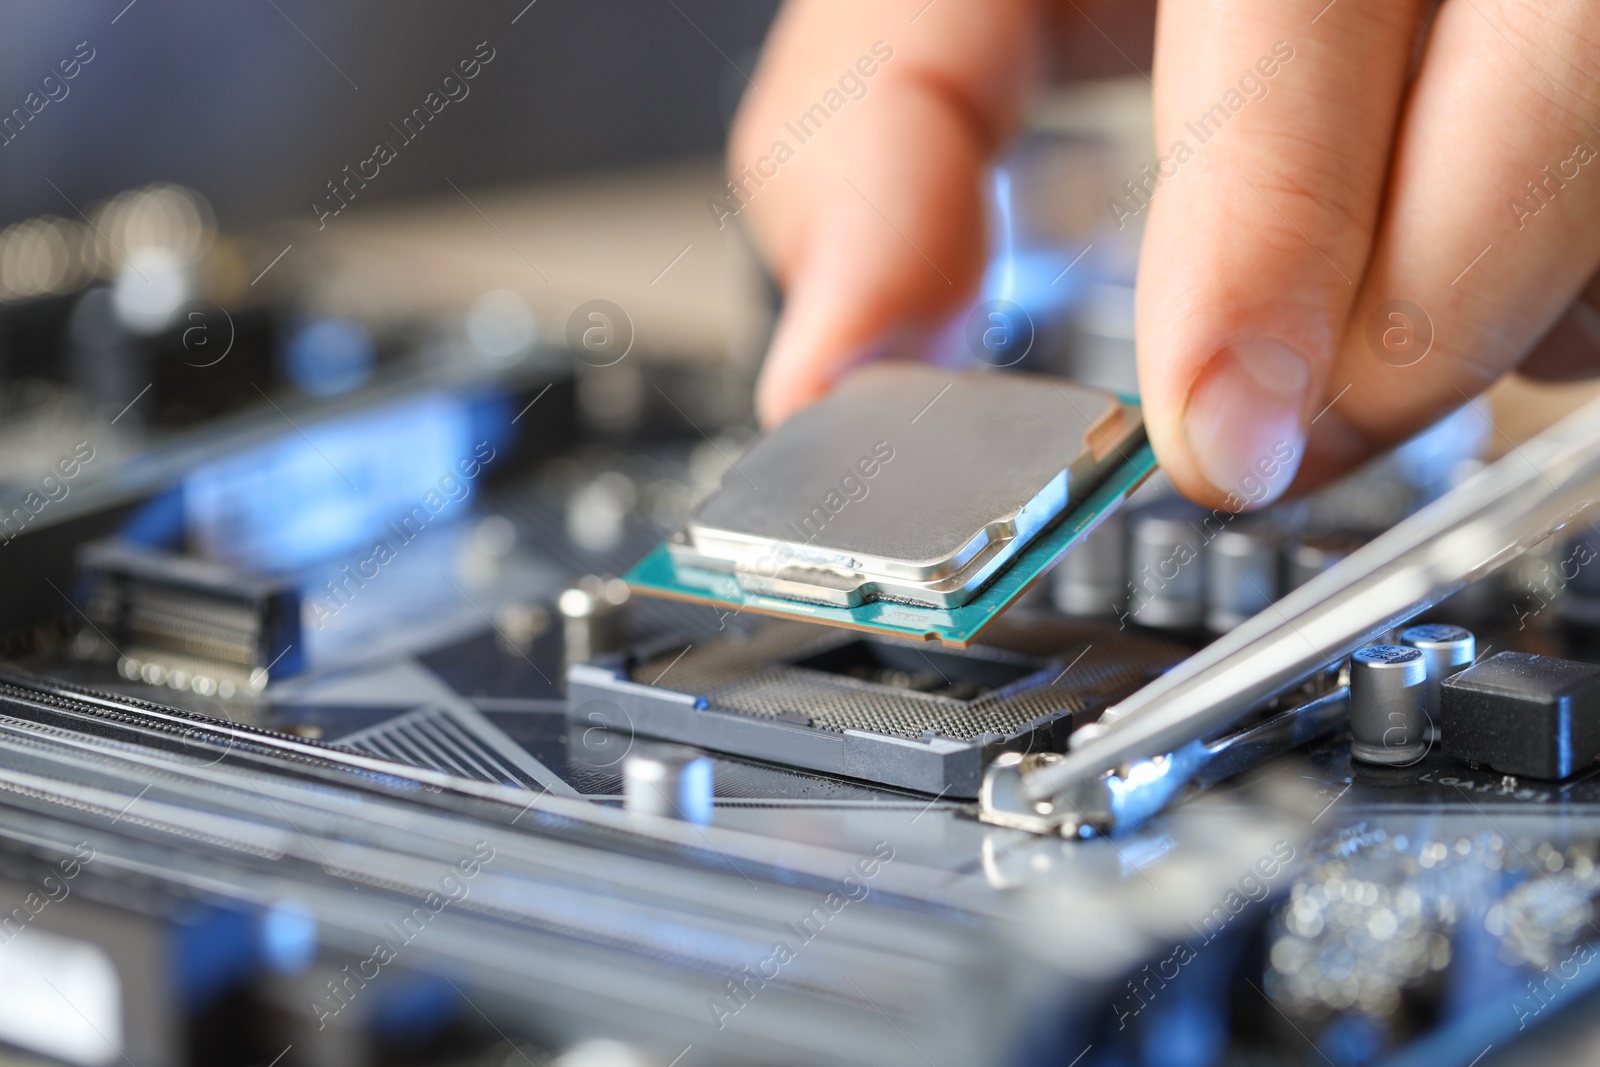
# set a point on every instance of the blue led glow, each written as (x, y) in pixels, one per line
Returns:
(1034, 277)
(1003, 259)
(695, 795)
(288, 937)
(329, 356)
(308, 495)
(1034, 281)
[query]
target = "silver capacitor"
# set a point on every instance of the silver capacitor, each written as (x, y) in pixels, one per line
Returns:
(1445, 651)
(1309, 556)
(1089, 583)
(1388, 697)
(1166, 574)
(1241, 573)
(672, 781)
(594, 617)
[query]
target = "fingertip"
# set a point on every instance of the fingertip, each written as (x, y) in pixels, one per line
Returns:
(1241, 431)
(786, 385)
(774, 407)
(1334, 447)
(801, 362)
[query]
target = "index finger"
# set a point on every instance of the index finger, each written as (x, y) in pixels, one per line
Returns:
(868, 203)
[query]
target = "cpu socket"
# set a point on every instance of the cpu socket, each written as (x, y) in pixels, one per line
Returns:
(871, 708)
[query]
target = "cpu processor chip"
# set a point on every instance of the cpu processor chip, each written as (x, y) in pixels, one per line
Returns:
(905, 500)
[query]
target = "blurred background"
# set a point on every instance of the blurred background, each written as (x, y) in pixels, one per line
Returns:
(256, 105)
(278, 265)
(204, 253)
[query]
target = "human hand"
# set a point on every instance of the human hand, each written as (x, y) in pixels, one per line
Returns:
(1372, 165)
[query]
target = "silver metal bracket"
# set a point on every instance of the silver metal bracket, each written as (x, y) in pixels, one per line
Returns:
(1124, 799)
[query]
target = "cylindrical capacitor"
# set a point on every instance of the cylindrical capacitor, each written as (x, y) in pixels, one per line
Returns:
(672, 781)
(1089, 584)
(1241, 573)
(1445, 650)
(1388, 693)
(594, 618)
(1310, 556)
(1577, 575)
(1166, 576)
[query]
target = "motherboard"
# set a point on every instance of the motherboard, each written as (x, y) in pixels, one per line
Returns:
(446, 720)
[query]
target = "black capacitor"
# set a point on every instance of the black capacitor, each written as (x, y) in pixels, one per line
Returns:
(1522, 714)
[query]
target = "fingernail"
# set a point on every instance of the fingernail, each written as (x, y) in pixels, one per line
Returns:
(1243, 419)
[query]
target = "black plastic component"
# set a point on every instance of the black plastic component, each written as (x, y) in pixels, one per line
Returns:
(1522, 714)
(144, 598)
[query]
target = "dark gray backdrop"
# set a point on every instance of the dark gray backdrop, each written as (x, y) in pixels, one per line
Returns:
(230, 97)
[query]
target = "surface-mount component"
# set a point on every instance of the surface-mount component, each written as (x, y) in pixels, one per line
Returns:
(670, 781)
(1446, 650)
(913, 502)
(1524, 714)
(1091, 582)
(1475, 528)
(594, 617)
(216, 627)
(1309, 556)
(1241, 572)
(1388, 699)
(1166, 568)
